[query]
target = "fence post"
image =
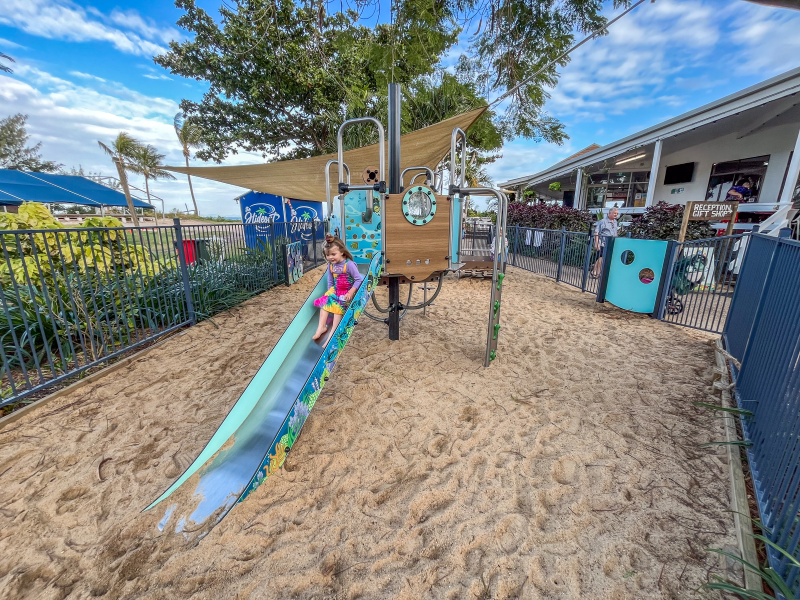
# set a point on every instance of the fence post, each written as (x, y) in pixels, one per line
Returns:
(187, 286)
(516, 245)
(561, 252)
(608, 252)
(586, 260)
(274, 247)
(665, 284)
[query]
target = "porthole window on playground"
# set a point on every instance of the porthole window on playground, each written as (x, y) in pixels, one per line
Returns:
(419, 205)
(627, 257)
(646, 276)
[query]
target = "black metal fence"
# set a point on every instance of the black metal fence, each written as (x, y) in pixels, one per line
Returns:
(569, 256)
(698, 286)
(763, 332)
(701, 280)
(74, 298)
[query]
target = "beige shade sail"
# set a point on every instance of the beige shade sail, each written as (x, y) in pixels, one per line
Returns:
(304, 179)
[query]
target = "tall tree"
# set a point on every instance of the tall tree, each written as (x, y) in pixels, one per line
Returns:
(282, 75)
(189, 135)
(13, 151)
(147, 162)
(123, 152)
(277, 70)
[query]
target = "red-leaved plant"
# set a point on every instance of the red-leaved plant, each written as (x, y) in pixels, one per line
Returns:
(549, 216)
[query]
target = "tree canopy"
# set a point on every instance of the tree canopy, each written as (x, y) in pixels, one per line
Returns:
(283, 76)
(14, 151)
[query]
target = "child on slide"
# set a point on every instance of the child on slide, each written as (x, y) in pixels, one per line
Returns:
(343, 281)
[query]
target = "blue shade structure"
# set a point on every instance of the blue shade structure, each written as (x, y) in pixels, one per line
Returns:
(22, 186)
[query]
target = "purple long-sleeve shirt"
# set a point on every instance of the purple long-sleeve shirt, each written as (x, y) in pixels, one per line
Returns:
(352, 270)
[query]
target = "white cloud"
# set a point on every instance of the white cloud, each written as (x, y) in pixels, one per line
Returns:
(6, 44)
(64, 20)
(86, 76)
(69, 119)
(630, 68)
(766, 38)
(159, 76)
(657, 62)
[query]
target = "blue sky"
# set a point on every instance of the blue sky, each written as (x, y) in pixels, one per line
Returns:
(84, 72)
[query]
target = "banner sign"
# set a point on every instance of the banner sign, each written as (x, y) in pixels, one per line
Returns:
(262, 211)
(303, 216)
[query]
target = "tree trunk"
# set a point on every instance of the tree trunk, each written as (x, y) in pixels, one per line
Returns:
(147, 189)
(123, 179)
(191, 191)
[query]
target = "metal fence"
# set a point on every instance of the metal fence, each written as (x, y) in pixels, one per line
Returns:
(569, 256)
(73, 298)
(763, 332)
(700, 282)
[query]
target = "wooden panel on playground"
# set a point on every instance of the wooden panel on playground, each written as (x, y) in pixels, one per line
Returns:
(405, 242)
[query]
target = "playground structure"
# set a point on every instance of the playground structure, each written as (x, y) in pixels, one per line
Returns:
(416, 229)
(396, 236)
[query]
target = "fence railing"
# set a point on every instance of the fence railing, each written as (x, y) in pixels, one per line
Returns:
(763, 332)
(569, 256)
(701, 280)
(74, 298)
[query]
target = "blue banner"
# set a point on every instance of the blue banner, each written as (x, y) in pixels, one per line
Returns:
(262, 210)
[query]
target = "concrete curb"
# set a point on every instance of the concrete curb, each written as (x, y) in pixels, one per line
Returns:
(739, 504)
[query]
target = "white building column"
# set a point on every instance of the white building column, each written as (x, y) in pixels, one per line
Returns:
(578, 202)
(792, 173)
(651, 186)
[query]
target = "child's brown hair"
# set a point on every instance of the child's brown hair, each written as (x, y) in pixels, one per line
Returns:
(334, 242)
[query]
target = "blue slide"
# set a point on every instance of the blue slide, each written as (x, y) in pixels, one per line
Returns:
(260, 429)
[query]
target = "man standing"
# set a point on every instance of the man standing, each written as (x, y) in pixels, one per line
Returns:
(604, 229)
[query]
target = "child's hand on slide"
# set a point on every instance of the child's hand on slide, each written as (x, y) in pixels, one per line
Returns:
(349, 295)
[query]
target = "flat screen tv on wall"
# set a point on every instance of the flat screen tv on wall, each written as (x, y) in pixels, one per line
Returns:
(679, 173)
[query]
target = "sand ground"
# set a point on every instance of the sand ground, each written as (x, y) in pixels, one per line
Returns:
(569, 469)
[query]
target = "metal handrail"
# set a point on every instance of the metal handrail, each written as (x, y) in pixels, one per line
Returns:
(428, 172)
(381, 147)
(499, 246)
(328, 183)
(454, 159)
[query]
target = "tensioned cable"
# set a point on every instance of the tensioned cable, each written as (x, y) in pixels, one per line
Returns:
(591, 36)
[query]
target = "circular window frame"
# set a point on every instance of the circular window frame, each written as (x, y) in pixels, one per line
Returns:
(413, 190)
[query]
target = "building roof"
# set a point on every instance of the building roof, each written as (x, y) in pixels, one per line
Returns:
(17, 187)
(589, 148)
(781, 86)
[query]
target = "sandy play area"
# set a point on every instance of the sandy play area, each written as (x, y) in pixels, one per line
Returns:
(570, 469)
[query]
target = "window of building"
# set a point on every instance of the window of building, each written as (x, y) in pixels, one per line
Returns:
(737, 179)
(620, 189)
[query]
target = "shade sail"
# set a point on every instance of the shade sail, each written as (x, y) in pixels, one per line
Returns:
(304, 178)
(18, 186)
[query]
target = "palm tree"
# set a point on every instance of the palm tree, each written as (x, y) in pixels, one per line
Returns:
(123, 152)
(6, 68)
(147, 162)
(188, 134)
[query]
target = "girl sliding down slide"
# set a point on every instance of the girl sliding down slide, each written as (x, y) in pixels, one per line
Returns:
(343, 281)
